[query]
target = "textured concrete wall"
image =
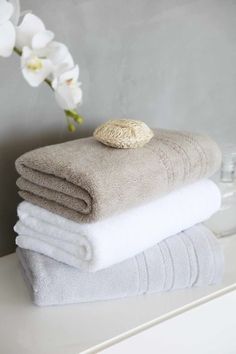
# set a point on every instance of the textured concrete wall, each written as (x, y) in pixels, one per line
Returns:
(171, 63)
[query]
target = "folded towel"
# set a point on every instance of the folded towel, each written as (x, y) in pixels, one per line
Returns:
(84, 180)
(191, 258)
(99, 245)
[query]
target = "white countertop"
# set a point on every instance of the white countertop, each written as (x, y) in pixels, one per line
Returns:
(72, 329)
(206, 329)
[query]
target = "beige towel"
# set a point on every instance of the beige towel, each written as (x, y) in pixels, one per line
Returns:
(86, 181)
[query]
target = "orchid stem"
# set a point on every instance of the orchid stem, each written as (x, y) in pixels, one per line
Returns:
(49, 83)
(18, 51)
(68, 113)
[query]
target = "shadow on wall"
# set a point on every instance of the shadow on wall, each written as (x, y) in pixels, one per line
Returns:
(10, 149)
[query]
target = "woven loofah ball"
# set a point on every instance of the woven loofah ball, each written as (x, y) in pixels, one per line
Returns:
(123, 133)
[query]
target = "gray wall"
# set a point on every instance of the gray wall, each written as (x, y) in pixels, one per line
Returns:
(171, 63)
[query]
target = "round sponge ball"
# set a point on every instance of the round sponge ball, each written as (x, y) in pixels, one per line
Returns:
(123, 133)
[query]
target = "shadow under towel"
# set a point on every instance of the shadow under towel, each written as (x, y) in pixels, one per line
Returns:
(190, 258)
(84, 180)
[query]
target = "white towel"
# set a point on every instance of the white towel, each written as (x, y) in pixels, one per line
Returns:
(101, 244)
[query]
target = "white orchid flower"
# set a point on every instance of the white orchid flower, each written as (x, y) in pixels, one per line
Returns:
(68, 93)
(42, 59)
(7, 29)
(54, 55)
(33, 39)
(68, 96)
(32, 33)
(61, 58)
(35, 69)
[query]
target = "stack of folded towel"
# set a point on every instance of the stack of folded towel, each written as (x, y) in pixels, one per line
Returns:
(99, 223)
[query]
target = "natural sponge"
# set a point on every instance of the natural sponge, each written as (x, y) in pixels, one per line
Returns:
(123, 133)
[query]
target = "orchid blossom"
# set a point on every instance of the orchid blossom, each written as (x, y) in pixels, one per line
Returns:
(7, 29)
(42, 58)
(67, 89)
(35, 69)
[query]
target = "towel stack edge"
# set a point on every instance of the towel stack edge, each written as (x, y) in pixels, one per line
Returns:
(99, 223)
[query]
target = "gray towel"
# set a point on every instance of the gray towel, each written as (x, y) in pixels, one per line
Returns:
(86, 181)
(191, 258)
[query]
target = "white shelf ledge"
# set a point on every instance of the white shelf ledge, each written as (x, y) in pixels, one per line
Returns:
(72, 329)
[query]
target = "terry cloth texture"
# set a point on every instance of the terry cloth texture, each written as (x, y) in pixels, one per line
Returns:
(101, 244)
(85, 181)
(191, 258)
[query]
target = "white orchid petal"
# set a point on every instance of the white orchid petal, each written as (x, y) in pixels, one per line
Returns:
(29, 27)
(41, 52)
(64, 66)
(6, 11)
(55, 83)
(68, 97)
(42, 39)
(58, 51)
(35, 78)
(34, 75)
(7, 39)
(78, 95)
(64, 98)
(26, 52)
(72, 74)
(16, 14)
(61, 58)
